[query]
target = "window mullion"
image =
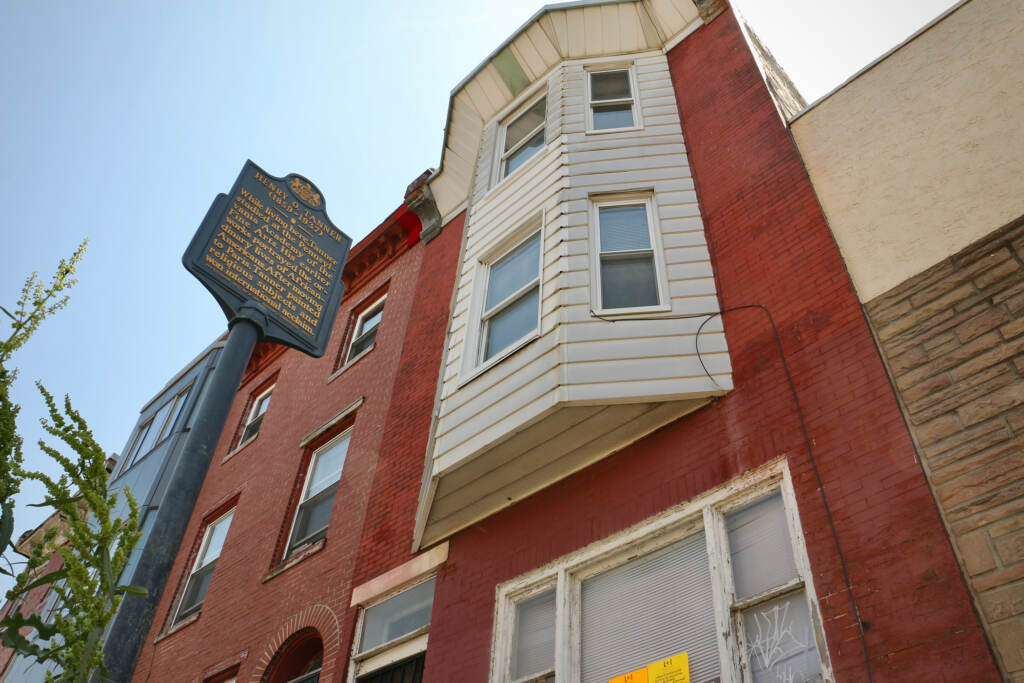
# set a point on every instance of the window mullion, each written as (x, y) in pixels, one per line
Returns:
(526, 138)
(509, 300)
(567, 643)
(617, 100)
(720, 566)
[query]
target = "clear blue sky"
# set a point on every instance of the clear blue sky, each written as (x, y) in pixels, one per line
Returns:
(120, 121)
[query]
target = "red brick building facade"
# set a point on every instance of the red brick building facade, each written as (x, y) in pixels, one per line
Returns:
(810, 424)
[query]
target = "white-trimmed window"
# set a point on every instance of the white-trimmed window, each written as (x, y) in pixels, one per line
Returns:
(392, 635)
(511, 298)
(365, 333)
(523, 136)
(202, 571)
(255, 419)
(628, 262)
(611, 100)
(314, 510)
(721, 586)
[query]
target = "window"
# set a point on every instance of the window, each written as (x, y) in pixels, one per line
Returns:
(714, 578)
(256, 413)
(202, 570)
(300, 659)
(314, 511)
(628, 266)
(611, 100)
(365, 331)
(156, 429)
(392, 636)
(524, 137)
(511, 304)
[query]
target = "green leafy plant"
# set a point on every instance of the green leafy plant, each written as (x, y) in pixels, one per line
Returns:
(93, 545)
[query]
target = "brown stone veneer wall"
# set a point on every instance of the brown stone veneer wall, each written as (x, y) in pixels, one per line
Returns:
(953, 339)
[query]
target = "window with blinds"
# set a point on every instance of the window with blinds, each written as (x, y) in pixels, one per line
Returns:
(722, 581)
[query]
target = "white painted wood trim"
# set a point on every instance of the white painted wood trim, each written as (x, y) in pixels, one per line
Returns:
(333, 422)
(402, 576)
(634, 91)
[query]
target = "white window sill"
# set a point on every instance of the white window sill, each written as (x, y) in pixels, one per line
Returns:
(295, 558)
(494, 360)
(627, 313)
(239, 448)
(500, 179)
(624, 129)
(350, 362)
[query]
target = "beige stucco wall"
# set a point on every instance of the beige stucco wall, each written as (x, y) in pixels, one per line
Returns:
(923, 153)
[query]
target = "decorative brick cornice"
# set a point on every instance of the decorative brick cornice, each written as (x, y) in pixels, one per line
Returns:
(709, 9)
(262, 356)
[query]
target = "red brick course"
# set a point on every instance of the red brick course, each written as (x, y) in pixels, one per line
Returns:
(771, 246)
(248, 607)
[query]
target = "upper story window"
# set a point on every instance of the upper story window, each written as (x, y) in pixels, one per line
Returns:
(394, 630)
(156, 429)
(512, 298)
(317, 500)
(628, 264)
(255, 419)
(202, 570)
(612, 104)
(524, 136)
(365, 333)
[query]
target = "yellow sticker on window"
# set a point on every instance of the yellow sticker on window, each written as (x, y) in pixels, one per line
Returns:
(675, 669)
(638, 676)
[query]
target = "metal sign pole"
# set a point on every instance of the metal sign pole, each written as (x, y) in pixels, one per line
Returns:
(129, 630)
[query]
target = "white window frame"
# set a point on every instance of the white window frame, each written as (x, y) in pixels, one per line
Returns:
(395, 650)
(203, 547)
(705, 512)
(358, 332)
(288, 549)
(474, 362)
(252, 417)
(501, 156)
(647, 199)
(633, 99)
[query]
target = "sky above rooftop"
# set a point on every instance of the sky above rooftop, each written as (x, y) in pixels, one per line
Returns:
(122, 120)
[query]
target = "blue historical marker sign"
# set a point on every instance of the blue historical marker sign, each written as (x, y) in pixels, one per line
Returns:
(270, 244)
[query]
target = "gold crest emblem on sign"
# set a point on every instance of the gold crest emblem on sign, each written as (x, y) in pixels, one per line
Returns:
(305, 191)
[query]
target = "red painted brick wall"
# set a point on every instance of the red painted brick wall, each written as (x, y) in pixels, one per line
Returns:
(771, 246)
(245, 618)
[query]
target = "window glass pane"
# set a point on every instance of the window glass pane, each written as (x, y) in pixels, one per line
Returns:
(624, 228)
(609, 85)
(178, 407)
(371, 321)
(628, 282)
(195, 590)
(397, 616)
(511, 324)
(613, 116)
(520, 156)
(216, 535)
(261, 405)
(534, 649)
(762, 554)
(525, 124)
(780, 642)
(362, 343)
(313, 517)
(327, 465)
(649, 609)
(149, 439)
(513, 271)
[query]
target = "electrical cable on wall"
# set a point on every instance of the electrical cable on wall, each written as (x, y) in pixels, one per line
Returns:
(708, 317)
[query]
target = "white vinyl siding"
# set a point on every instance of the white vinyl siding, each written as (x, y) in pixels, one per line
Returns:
(582, 386)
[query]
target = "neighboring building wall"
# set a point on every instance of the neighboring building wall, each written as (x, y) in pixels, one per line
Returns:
(771, 247)
(256, 598)
(923, 153)
(952, 337)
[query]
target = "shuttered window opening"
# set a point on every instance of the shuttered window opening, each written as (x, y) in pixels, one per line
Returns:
(649, 609)
(770, 605)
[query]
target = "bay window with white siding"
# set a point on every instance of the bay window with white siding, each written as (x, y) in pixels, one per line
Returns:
(721, 583)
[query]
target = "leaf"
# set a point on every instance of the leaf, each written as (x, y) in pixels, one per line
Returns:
(56, 503)
(45, 579)
(6, 525)
(134, 590)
